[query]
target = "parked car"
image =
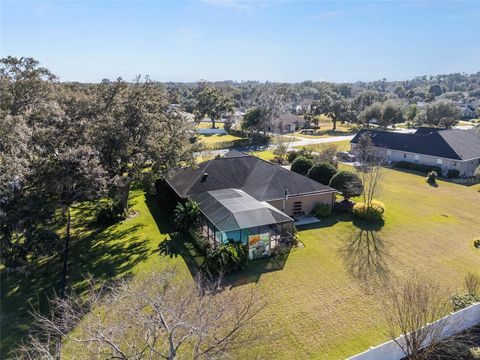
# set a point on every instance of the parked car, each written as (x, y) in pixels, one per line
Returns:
(307, 131)
(345, 156)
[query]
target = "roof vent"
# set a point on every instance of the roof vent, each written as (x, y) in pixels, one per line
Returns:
(204, 177)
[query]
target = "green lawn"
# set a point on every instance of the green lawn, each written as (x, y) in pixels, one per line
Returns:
(208, 125)
(323, 300)
(212, 139)
(263, 154)
(342, 146)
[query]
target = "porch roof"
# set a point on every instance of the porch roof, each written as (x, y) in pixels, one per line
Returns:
(233, 209)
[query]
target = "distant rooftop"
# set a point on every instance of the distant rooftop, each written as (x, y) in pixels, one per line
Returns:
(446, 143)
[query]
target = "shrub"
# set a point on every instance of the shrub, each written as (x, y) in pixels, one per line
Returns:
(226, 258)
(476, 243)
(343, 206)
(322, 172)
(372, 213)
(462, 301)
(301, 165)
(201, 243)
(432, 177)
(417, 167)
(186, 215)
(347, 183)
(110, 213)
(472, 283)
(322, 210)
(293, 154)
(453, 173)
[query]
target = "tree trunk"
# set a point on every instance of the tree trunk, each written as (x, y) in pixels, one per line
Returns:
(213, 122)
(334, 120)
(63, 282)
(124, 192)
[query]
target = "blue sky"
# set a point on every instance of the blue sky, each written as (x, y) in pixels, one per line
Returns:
(244, 40)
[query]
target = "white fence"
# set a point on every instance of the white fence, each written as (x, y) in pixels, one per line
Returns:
(454, 323)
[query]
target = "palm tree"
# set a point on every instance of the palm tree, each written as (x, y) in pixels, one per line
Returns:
(186, 214)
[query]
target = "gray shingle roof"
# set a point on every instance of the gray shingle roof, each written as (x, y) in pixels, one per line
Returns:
(450, 144)
(232, 209)
(260, 179)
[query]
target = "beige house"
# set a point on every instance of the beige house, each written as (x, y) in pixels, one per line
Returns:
(448, 149)
(285, 190)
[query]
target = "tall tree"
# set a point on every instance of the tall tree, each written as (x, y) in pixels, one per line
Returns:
(333, 105)
(213, 102)
(74, 175)
(134, 129)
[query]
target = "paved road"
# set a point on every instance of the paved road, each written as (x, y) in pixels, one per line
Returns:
(299, 141)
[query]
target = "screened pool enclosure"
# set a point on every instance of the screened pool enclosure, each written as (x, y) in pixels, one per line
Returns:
(233, 215)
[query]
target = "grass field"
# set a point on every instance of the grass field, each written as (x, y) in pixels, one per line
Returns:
(342, 146)
(208, 125)
(323, 301)
(216, 138)
(325, 129)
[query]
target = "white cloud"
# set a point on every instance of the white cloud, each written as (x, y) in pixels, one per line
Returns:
(327, 15)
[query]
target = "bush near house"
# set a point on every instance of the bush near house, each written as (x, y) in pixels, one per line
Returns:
(417, 167)
(322, 210)
(453, 173)
(301, 165)
(372, 213)
(226, 258)
(347, 183)
(322, 172)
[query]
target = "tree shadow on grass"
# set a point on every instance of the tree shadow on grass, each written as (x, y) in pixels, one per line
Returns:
(102, 254)
(366, 257)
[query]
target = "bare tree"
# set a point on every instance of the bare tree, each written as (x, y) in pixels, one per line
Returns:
(472, 283)
(412, 307)
(282, 145)
(161, 316)
(371, 169)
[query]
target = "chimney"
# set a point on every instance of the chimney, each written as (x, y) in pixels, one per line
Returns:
(204, 177)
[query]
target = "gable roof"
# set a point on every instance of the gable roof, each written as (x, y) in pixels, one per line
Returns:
(261, 179)
(450, 144)
(233, 209)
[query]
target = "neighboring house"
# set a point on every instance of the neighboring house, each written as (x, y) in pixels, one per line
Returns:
(245, 198)
(467, 112)
(446, 148)
(286, 123)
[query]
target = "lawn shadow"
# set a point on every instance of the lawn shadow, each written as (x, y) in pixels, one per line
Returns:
(366, 257)
(256, 268)
(101, 254)
(328, 221)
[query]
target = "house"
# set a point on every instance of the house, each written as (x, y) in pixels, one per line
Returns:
(467, 111)
(447, 148)
(244, 198)
(286, 123)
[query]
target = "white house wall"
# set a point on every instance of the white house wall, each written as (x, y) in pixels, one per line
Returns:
(466, 168)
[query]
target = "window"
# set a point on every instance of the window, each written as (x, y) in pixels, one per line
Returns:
(417, 157)
(404, 155)
(389, 152)
(454, 163)
(439, 161)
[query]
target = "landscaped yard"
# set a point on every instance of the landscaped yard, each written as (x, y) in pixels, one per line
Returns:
(323, 301)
